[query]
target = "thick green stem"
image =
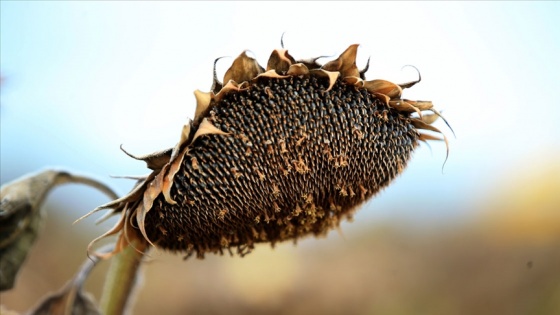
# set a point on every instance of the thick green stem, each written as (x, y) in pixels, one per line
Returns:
(121, 278)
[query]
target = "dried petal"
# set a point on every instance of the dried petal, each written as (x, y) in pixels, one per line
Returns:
(429, 119)
(154, 161)
(354, 81)
(384, 98)
(131, 197)
(216, 84)
(311, 63)
(140, 213)
(272, 74)
(332, 76)
(421, 105)
(185, 135)
(125, 205)
(280, 61)
(206, 128)
(410, 84)
(364, 70)
(425, 137)
(244, 68)
(443, 118)
(406, 107)
(168, 180)
(298, 69)
(202, 103)
(422, 125)
(231, 86)
(383, 87)
(153, 189)
(345, 63)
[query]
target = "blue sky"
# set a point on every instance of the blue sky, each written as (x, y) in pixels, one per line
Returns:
(82, 78)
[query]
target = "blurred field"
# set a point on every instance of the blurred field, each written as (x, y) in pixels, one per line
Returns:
(505, 260)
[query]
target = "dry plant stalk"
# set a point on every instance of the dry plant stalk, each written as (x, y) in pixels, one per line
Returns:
(273, 154)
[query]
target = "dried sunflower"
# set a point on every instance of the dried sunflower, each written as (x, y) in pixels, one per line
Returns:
(274, 154)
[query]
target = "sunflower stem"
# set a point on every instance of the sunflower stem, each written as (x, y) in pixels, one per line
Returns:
(122, 278)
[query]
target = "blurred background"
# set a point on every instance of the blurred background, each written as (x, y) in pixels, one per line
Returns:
(480, 237)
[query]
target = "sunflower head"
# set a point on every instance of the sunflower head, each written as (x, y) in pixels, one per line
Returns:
(274, 153)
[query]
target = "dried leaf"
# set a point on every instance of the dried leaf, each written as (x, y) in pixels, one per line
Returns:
(21, 216)
(71, 299)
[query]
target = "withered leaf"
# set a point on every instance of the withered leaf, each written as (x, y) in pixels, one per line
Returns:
(71, 299)
(21, 216)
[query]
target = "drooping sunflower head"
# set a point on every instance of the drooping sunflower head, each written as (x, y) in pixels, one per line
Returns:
(274, 153)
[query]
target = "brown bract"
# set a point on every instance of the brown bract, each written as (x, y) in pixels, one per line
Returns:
(274, 154)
